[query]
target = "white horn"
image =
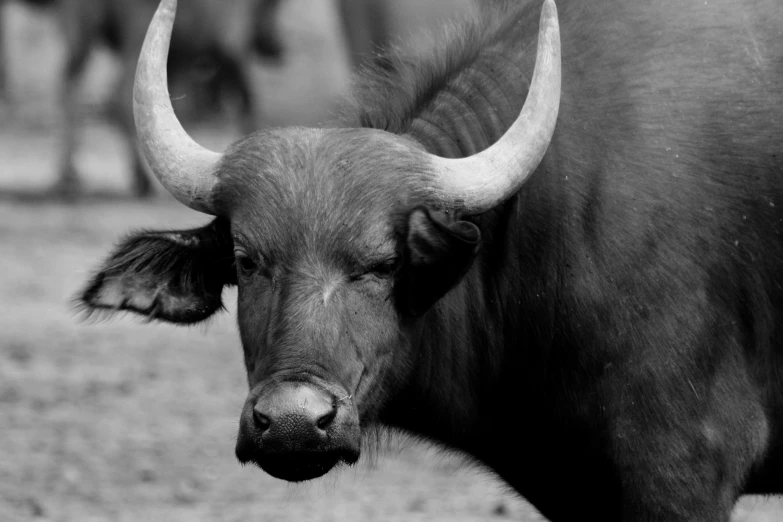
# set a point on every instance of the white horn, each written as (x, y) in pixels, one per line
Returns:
(477, 183)
(184, 168)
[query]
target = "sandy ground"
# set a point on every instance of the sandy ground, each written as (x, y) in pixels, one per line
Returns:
(125, 421)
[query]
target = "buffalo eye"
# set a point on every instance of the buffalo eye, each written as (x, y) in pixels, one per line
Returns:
(383, 270)
(246, 266)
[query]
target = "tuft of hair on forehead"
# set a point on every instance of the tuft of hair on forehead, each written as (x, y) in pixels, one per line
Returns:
(369, 161)
(399, 84)
(323, 186)
(323, 169)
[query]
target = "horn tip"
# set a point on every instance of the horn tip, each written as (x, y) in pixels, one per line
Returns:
(549, 9)
(172, 4)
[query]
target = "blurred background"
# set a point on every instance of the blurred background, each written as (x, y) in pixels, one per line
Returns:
(126, 421)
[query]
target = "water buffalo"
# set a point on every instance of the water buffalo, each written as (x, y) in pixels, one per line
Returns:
(221, 34)
(568, 266)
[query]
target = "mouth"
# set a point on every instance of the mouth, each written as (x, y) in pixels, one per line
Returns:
(300, 466)
(304, 431)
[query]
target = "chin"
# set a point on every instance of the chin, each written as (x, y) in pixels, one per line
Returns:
(302, 466)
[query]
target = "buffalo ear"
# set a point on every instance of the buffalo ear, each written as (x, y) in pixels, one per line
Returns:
(437, 254)
(174, 276)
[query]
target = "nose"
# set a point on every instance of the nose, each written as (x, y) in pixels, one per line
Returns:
(294, 417)
(297, 430)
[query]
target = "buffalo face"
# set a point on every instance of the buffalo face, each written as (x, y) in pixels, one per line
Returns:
(337, 254)
(324, 301)
(336, 262)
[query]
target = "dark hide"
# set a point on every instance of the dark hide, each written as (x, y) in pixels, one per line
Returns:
(175, 276)
(616, 340)
(632, 289)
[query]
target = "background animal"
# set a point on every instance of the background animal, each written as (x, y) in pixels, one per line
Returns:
(213, 46)
(210, 61)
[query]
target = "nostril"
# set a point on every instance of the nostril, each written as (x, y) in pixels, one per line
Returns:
(262, 421)
(325, 420)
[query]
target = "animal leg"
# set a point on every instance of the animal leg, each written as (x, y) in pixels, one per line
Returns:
(122, 115)
(68, 183)
(3, 58)
(234, 73)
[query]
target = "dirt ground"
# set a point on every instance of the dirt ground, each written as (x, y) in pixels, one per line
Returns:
(125, 421)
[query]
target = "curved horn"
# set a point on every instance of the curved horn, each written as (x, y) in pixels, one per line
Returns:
(184, 168)
(479, 182)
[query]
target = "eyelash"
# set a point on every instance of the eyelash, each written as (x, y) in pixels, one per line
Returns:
(383, 270)
(246, 265)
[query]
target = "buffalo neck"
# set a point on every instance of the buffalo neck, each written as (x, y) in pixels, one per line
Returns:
(490, 338)
(474, 109)
(487, 340)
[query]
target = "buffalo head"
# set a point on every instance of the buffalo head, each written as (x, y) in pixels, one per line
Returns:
(341, 242)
